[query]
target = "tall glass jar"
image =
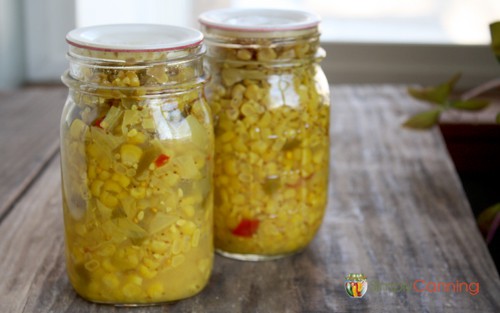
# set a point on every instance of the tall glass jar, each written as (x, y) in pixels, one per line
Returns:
(270, 101)
(137, 163)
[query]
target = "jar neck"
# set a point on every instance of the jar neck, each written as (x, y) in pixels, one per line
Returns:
(151, 71)
(279, 48)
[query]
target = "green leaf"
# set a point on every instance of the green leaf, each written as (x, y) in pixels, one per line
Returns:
(437, 94)
(348, 289)
(498, 118)
(423, 120)
(495, 39)
(470, 105)
(486, 218)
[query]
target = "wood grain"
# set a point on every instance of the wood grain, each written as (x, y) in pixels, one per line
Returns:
(396, 213)
(29, 132)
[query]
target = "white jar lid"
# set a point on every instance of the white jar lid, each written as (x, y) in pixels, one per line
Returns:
(261, 20)
(134, 37)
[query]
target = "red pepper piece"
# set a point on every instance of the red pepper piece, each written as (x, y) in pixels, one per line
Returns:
(98, 121)
(162, 159)
(246, 228)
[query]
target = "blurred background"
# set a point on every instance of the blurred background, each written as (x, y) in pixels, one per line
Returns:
(384, 41)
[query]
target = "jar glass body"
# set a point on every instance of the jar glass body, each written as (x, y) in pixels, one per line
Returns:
(270, 101)
(136, 160)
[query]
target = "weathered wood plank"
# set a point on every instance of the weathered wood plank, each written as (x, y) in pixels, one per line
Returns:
(29, 132)
(396, 213)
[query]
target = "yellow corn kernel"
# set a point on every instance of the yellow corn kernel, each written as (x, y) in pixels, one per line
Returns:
(126, 261)
(237, 92)
(134, 279)
(306, 156)
(150, 263)
(227, 136)
(104, 175)
(159, 246)
(318, 157)
(253, 92)
(95, 188)
(133, 79)
(192, 200)
(110, 280)
(232, 221)
(290, 193)
(230, 167)
(265, 120)
(107, 265)
(91, 171)
(131, 172)
(176, 246)
(122, 195)
(188, 210)
(248, 109)
(223, 180)
(146, 272)
(140, 215)
(106, 249)
(108, 199)
(238, 199)
(259, 147)
(266, 54)
(137, 138)
(91, 265)
(188, 228)
(254, 157)
(227, 148)
(244, 54)
(186, 245)
(121, 179)
(196, 238)
(131, 291)
(155, 290)
(301, 50)
(130, 154)
(112, 186)
(93, 150)
(271, 168)
(132, 132)
(138, 193)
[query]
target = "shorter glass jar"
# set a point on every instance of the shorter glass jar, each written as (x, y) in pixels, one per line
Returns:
(136, 160)
(270, 101)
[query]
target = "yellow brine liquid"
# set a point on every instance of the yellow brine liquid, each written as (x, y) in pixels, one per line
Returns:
(270, 103)
(137, 155)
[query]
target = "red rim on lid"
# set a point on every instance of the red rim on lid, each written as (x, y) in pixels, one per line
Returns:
(134, 38)
(259, 20)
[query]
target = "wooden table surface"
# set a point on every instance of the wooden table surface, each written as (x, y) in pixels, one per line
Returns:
(396, 213)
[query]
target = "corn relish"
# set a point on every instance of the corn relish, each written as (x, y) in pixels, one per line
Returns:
(137, 162)
(270, 102)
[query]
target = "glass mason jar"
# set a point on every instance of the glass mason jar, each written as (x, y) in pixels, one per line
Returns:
(137, 164)
(270, 101)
